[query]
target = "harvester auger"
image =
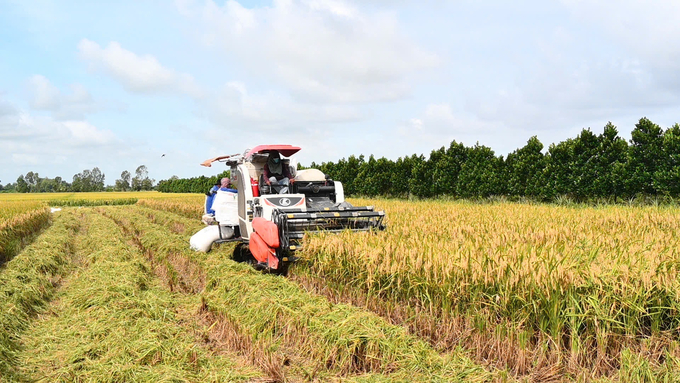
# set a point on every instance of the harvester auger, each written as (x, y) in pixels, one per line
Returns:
(271, 226)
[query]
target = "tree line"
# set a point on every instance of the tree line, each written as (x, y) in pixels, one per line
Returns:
(200, 184)
(590, 166)
(85, 181)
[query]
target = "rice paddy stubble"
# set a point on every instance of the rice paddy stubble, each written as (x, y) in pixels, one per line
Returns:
(28, 282)
(113, 322)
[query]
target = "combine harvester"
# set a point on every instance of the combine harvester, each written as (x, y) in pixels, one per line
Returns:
(269, 225)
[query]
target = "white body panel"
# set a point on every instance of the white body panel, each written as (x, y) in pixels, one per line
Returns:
(310, 175)
(225, 205)
(339, 192)
(245, 199)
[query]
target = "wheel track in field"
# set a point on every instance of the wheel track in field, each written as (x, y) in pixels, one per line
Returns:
(29, 282)
(184, 275)
(87, 256)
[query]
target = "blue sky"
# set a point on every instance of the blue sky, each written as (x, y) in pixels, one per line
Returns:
(118, 84)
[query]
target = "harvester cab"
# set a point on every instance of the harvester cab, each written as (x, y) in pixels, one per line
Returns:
(272, 225)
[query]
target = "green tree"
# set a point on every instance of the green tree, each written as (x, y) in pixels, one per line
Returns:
(667, 175)
(559, 170)
(645, 155)
(611, 163)
(83, 181)
(22, 186)
(401, 176)
(446, 165)
(123, 183)
(421, 177)
(375, 177)
(141, 180)
(96, 179)
(479, 174)
(584, 164)
(525, 169)
(32, 180)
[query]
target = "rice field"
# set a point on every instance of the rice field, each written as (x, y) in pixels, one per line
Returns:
(541, 290)
(451, 291)
(19, 222)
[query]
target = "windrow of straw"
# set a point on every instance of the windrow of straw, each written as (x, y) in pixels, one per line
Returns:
(113, 322)
(19, 223)
(92, 202)
(313, 337)
(567, 289)
(15, 197)
(29, 280)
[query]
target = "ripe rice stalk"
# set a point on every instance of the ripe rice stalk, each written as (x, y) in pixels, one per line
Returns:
(19, 227)
(190, 207)
(584, 278)
(28, 281)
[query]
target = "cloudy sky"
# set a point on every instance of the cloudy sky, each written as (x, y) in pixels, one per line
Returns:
(118, 84)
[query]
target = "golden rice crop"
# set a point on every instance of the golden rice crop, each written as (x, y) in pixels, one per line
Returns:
(581, 279)
(9, 209)
(19, 220)
(190, 206)
(90, 196)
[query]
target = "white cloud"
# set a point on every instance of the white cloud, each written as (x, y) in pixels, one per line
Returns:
(649, 30)
(73, 105)
(319, 50)
(234, 107)
(53, 147)
(139, 74)
(24, 137)
(45, 95)
(439, 125)
(7, 110)
(84, 133)
(47, 132)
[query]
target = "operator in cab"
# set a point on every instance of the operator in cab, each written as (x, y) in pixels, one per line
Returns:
(276, 175)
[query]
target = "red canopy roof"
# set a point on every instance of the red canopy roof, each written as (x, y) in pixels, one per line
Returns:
(285, 150)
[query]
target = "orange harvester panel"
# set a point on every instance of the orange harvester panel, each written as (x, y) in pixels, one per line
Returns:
(267, 230)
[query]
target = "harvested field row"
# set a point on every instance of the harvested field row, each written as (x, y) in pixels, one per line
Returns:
(548, 292)
(296, 333)
(112, 321)
(28, 282)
